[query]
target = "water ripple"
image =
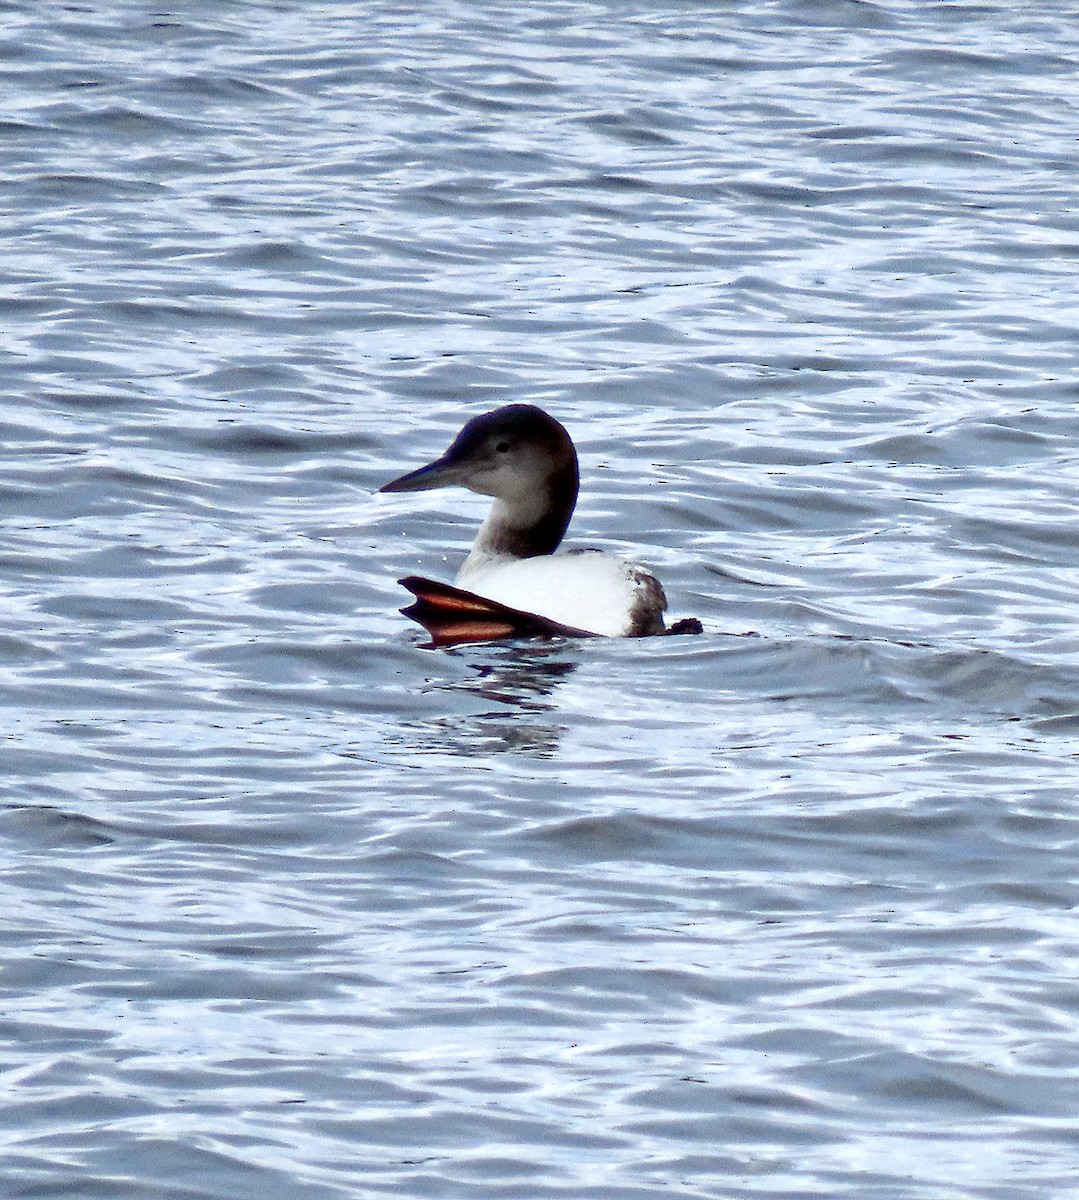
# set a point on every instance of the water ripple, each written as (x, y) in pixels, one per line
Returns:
(298, 907)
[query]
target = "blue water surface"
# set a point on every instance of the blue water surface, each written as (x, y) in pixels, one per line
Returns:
(296, 908)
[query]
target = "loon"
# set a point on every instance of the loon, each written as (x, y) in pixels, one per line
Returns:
(512, 584)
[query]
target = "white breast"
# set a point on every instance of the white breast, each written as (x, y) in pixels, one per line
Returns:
(586, 589)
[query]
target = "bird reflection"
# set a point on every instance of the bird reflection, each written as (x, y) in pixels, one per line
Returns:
(519, 678)
(525, 677)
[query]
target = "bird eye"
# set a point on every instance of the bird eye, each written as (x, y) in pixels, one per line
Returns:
(502, 447)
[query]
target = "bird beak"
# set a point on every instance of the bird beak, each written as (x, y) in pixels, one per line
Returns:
(443, 472)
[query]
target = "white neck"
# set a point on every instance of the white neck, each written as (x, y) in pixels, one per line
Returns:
(527, 523)
(503, 537)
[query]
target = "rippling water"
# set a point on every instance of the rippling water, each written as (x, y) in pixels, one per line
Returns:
(295, 908)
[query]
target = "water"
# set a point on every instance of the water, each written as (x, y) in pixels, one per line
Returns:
(295, 908)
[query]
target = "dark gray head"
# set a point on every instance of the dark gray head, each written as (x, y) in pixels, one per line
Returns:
(521, 456)
(513, 450)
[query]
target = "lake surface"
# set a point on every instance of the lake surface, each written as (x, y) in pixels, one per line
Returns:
(295, 908)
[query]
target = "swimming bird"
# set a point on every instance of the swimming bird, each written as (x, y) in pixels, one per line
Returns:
(513, 584)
